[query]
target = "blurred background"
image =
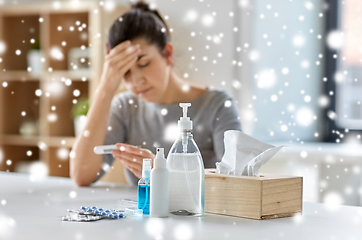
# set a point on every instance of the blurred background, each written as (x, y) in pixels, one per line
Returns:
(293, 67)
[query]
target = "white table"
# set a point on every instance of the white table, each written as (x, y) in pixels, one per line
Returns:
(32, 210)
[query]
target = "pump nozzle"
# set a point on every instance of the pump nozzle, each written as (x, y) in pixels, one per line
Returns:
(146, 169)
(185, 123)
(184, 108)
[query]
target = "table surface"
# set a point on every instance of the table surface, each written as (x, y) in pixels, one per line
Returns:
(31, 208)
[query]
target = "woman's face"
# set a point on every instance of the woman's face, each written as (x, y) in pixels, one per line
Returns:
(148, 78)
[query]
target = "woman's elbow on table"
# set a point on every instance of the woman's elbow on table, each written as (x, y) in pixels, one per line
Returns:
(79, 176)
(80, 181)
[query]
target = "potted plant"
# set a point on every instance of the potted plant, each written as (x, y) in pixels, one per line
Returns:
(79, 112)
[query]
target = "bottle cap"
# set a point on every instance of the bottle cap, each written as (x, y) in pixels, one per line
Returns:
(185, 123)
(146, 168)
(160, 160)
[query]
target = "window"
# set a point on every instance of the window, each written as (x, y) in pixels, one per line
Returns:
(344, 71)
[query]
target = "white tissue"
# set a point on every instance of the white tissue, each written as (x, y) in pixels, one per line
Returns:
(244, 155)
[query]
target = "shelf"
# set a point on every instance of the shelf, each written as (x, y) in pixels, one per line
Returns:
(18, 140)
(73, 35)
(24, 8)
(42, 86)
(60, 121)
(74, 75)
(17, 75)
(17, 154)
(45, 76)
(19, 107)
(20, 31)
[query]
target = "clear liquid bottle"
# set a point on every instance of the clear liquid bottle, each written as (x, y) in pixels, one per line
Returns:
(186, 171)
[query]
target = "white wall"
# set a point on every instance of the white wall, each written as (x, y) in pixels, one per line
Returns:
(207, 72)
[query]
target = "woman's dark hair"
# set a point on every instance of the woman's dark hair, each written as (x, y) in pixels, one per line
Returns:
(140, 22)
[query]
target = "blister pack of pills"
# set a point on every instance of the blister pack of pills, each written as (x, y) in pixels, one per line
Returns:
(87, 214)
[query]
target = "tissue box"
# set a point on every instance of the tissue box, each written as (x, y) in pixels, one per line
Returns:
(264, 197)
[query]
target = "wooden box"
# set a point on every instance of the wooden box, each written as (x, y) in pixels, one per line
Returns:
(264, 197)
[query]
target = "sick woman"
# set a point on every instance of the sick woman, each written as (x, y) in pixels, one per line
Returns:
(140, 56)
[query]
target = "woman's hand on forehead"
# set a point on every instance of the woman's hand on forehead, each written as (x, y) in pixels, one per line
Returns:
(117, 63)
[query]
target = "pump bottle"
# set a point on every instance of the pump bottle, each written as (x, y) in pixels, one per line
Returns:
(186, 169)
(159, 186)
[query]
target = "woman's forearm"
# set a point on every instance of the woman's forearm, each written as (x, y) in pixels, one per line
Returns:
(84, 164)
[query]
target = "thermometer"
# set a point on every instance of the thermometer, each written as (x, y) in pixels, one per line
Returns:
(105, 149)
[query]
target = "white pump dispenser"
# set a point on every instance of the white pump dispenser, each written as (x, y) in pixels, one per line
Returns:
(186, 169)
(185, 123)
(159, 199)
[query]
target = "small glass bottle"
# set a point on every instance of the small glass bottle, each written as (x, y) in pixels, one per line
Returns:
(186, 171)
(144, 187)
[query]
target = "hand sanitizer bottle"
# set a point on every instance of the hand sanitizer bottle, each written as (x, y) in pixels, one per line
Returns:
(159, 186)
(144, 187)
(186, 169)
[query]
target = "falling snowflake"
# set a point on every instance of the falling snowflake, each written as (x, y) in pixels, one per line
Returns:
(227, 103)
(76, 93)
(164, 111)
(254, 55)
(266, 79)
(72, 194)
(236, 84)
(38, 171)
(304, 116)
(52, 117)
(335, 40)
(307, 98)
(72, 154)
(42, 145)
(7, 226)
(191, 16)
(106, 167)
(171, 132)
(285, 71)
(68, 82)
(2, 47)
(299, 40)
(86, 133)
(303, 154)
(63, 153)
(183, 231)
(155, 227)
(207, 20)
(274, 98)
(284, 128)
(38, 92)
(308, 5)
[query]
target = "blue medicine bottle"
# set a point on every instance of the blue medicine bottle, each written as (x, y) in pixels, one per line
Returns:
(144, 187)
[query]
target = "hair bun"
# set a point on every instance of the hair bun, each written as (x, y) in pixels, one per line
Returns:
(141, 5)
